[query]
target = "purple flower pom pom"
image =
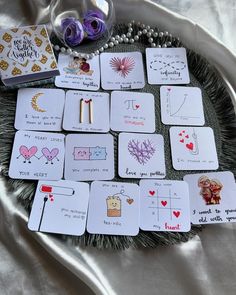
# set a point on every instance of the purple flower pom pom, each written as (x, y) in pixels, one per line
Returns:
(94, 24)
(73, 32)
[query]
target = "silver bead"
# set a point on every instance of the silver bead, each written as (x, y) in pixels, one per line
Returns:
(166, 33)
(105, 46)
(57, 47)
(138, 23)
(130, 30)
(69, 51)
(140, 33)
(121, 40)
(117, 37)
(123, 36)
(149, 34)
(168, 44)
(112, 39)
(158, 46)
(131, 40)
(144, 31)
(143, 26)
(116, 42)
(87, 56)
(155, 34)
(129, 35)
(126, 40)
(153, 45)
(111, 44)
(129, 25)
(136, 37)
(92, 55)
(96, 52)
(164, 45)
(132, 21)
(75, 53)
(151, 31)
(63, 49)
(101, 49)
(161, 34)
(150, 40)
(148, 27)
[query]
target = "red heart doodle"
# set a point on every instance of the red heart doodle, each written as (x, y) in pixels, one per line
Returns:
(182, 140)
(137, 106)
(180, 134)
(164, 203)
(130, 201)
(169, 89)
(187, 136)
(152, 193)
(189, 146)
(176, 213)
(183, 131)
(51, 199)
(87, 101)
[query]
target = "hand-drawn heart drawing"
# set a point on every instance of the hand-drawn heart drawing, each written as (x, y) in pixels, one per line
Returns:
(50, 155)
(189, 146)
(176, 213)
(141, 151)
(182, 140)
(28, 153)
(164, 203)
(87, 101)
(152, 193)
(137, 106)
(130, 201)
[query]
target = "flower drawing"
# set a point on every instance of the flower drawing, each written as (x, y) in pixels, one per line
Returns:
(141, 151)
(122, 66)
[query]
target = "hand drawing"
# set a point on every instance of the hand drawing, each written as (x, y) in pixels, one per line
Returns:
(89, 153)
(27, 154)
(50, 155)
(141, 151)
(191, 146)
(122, 66)
(130, 104)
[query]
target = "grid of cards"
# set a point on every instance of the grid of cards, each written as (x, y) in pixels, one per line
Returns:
(60, 162)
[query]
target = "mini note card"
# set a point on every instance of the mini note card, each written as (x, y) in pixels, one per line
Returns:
(132, 111)
(193, 148)
(78, 72)
(87, 111)
(37, 155)
(89, 157)
(141, 156)
(60, 207)
(39, 109)
(181, 105)
(167, 66)
(164, 205)
(212, 197)
(122, 70)
(113, 208)
(26, 55)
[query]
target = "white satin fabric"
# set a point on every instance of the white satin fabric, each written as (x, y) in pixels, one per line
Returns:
(37, 263)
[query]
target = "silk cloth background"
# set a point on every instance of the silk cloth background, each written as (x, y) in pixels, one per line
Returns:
(36, 263)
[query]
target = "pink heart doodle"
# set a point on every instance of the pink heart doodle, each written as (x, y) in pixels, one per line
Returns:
(50, 155)
(26, 153)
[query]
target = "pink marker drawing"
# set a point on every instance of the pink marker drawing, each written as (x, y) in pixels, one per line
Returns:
(50, 155)
(27, 154)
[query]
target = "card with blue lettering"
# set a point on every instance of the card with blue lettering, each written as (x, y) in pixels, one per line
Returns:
(164, 205)
(37, 155)
(113, 208)
(87, 108)
(122, 70)
(212, 197)
(60, 207)
(167, 66)
(89, 157)
(39, 109)
(141, 156)
(78, 73)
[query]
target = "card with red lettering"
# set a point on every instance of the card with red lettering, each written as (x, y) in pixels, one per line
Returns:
(212, 197)
(164, 205)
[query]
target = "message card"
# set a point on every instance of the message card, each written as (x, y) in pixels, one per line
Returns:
(141, 156)
(122, 70)
(212, 197)
(132, 111)
(86, 111)
(164, 205)
(113, 208)
(193, 148)
(167, 66)
(37, 155)
(78, 73)
(89, 157)
(181, 105)
(60, 207)
(39, 109)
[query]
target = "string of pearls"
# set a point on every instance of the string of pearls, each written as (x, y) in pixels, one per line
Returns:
(134, 32)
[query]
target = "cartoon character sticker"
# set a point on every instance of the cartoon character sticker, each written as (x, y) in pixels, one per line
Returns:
(78, 66)
(114, 204)
(210, 190)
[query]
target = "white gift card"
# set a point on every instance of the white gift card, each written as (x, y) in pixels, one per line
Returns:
(181, 105)
(167, 66)
(164, 205)
(89, 157)
(141, 156)
(78, 73)
(60, 207)
(83, 111)
(132, 111)
(122, 70)
(39, 109)
(193, 148)
(113, 208)
(37, 155)
(212, 197)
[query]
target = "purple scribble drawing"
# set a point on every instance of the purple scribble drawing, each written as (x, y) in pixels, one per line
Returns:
(50, 155)
(141, 151)
(122, 66)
